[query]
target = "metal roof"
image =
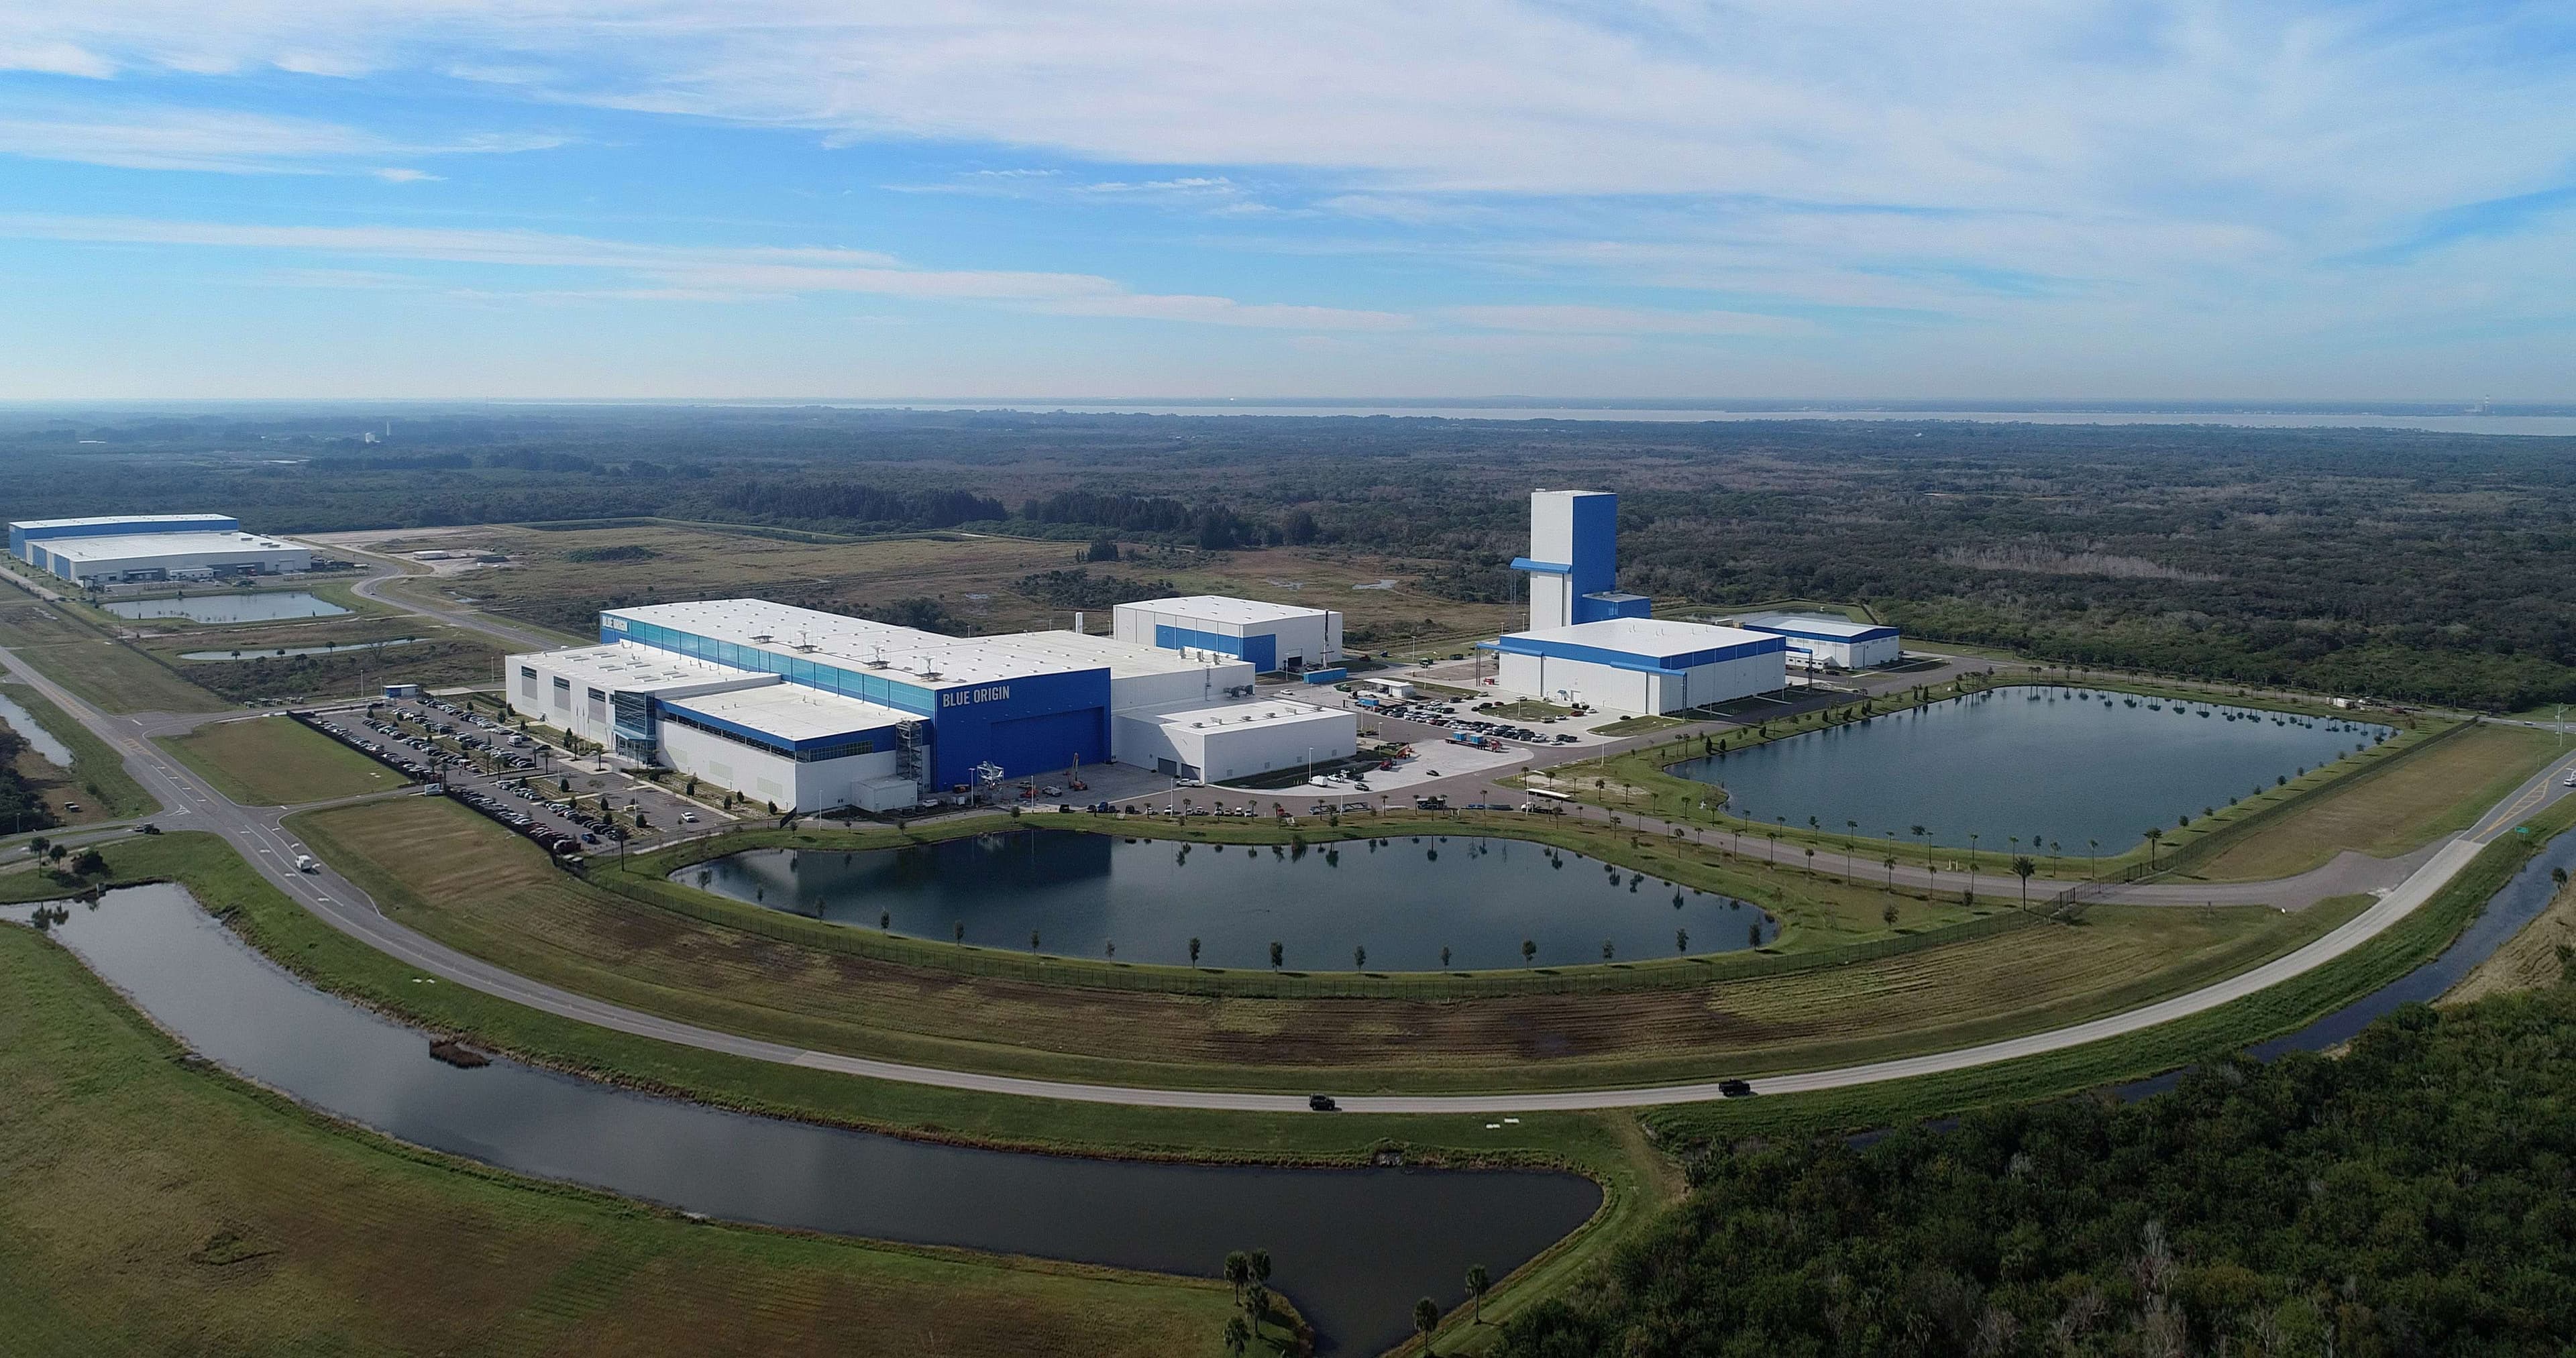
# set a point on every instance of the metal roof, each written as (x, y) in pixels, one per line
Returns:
(129, 545)
(112, 520)
(1643, 636)
(905, 654)
(1261, 711)
(1815, 625)
(1223, 608)
(629, 668)
(790, 712)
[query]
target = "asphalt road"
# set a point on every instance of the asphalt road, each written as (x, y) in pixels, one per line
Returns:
(257, 834)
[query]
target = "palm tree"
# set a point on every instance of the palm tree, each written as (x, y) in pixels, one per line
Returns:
(1359, 959)
(1972, 864)
(1529, 950)
(1926, 836)
(1194, 951)
(1256, 1304)
(1853, 827)
(2023, 868)
(1238, 1336)
(1478, 1281)
(1276, 952)
(1774, 837)
(2097, 856)
(1891, 872)
(1238, 1271)
(1426, 1318)
(2155, 835)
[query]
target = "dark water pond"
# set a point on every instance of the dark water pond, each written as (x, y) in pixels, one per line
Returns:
(1401, 899)
(2049, 765)
(1353, 1247)
(263, 606)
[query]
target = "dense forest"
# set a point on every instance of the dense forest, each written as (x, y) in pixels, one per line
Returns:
(2415, 1197)
(2385, 562)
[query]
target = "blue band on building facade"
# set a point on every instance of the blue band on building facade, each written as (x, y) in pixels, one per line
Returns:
(1627, 660)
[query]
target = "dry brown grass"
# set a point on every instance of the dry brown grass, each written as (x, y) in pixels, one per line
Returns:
(2441, 790)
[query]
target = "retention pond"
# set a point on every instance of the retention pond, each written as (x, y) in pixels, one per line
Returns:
(2042, 764)
(1404, 903)
(48, 746)
(1352, 1247)
(262, 606)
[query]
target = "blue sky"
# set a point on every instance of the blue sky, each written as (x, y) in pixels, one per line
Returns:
(531, 198)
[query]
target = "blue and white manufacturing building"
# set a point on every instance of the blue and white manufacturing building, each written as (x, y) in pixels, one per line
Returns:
(811, 711)
(118, 549)
(1828, 641)
(1273, 637)
(1590, 643)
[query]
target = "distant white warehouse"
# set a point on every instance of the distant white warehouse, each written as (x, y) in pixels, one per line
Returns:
(1271, 636)
(1590, 643)
(1839, 642)
(117, 549)
(812, 710)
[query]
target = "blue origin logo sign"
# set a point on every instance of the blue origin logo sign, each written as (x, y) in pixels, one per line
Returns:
(614, 624)
(991, 693)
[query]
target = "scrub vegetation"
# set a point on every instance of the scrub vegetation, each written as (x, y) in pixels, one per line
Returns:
(157, 1206)
(89, 662)
(97, 777)
(2401, 564)
(439, 869)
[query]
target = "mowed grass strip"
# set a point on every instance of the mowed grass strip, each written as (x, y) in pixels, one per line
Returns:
(105, 672)
(154, 1208)
(2438, 792)
(450, 874)
(277, 761)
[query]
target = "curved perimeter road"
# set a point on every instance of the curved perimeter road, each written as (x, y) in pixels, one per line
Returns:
(257, 833)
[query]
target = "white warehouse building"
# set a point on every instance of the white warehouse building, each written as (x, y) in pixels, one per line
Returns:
(130, 547)
(1271, 636)
(811, 710)
(1590, 643)
(1839, 642)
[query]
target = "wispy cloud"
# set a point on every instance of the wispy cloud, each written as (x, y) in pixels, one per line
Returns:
(224, 141)
(1605, 320)
(702, 273)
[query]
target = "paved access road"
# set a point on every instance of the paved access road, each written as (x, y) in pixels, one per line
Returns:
(261, 840)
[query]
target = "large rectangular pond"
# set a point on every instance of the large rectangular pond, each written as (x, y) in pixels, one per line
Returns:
(258, 606)
(1353, 1247)
(1400, 901)
(2051, 765)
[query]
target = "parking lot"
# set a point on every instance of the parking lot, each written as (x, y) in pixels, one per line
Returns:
(570, 804)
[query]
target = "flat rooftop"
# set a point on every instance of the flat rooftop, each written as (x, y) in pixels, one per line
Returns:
(1223, 608)
(1249, 714)
(790, 712)
(1812, 625)
(904, 654)
(1644, 636)
(116, 520)
(1125, 659)
(126, 546)
(629, 668)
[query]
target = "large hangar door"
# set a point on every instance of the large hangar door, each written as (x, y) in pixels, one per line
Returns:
(1027, 745)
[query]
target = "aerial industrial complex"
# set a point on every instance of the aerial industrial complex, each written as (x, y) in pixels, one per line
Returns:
(1838, 642)
(811, 710)
(117, 549)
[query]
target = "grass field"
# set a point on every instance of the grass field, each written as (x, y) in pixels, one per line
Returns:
(1634, 1178)
(155, 1208)
(2441, 791)
(97, 778)
(446, 872)
(273, 761)
(974, 578)
(109, 675)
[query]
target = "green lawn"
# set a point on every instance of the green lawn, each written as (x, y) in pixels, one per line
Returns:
(108, 674)
(96, 770)
(277, 761)
(1634, 1179)
(440, 869)
(2441, 791)
(148, 1207)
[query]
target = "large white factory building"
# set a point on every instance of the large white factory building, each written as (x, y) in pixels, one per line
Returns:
(1589, 643)
(122, 548)
(1271, 636)
(812, 710)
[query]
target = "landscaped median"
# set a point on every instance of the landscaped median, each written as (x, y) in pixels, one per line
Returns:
(733, 966)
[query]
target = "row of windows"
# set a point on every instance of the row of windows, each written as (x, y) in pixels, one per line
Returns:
(875, 688)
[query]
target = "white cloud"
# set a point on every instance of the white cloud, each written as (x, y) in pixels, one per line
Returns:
(220, 140)
(697, 273)
(395, 174)
(54, 58)
(1607, 320)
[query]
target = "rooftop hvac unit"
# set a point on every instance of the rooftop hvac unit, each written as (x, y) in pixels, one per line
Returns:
(763, 638)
